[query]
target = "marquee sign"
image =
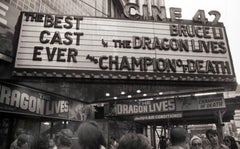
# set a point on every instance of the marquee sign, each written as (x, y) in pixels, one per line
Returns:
(86, 47)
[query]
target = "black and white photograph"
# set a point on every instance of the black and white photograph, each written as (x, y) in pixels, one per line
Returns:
(119, 74)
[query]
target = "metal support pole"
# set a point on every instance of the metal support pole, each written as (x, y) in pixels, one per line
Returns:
(153, 138)
(109, 6)
(51, 129)
(220, 125)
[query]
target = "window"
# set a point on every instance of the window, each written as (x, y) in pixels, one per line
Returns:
(25, 7)
(20, 3)
(32, 5)
(13, 4)
(20, 8)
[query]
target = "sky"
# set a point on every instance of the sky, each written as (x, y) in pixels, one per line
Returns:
(230, 17)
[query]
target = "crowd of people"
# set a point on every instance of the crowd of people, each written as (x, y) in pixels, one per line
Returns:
(179, 140)
(90, 136)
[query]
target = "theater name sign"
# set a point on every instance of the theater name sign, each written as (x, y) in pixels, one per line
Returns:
(159, 49)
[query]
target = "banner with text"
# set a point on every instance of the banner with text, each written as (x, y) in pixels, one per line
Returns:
(158, 116)
(143, 107)
(205, 102)
(19, 99)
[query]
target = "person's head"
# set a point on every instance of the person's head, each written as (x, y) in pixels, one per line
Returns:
(178, 135)
(22, 139)
(230, 142)
(64, 138)
(19, 131)
(134, 141)
(90, 135)
(212, 136)
(51, 143)
(196, 143)
(40, 143)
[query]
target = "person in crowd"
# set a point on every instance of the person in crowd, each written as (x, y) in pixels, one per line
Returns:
(40, 143)
(178, 136)
(162, 143)
(230, 142)
(22, 142)
(75, 144)
(205, 142)
(196, 143)
(212, 136)
(134, 141)
(64, 139)
(113, 144)
(52, 144)
(14, 143)
(90, 136)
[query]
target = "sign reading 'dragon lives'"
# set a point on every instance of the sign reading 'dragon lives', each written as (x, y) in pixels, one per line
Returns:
(25, 100)
(145, 107)
(86, 47)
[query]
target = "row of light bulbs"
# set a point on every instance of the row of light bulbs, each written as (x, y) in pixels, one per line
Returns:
(130, 96)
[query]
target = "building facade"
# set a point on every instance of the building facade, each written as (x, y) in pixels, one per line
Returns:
(75, 7)
(38, 123)
(46, 91)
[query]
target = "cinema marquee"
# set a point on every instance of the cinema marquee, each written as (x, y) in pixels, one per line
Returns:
(126, 74)
(164, 49)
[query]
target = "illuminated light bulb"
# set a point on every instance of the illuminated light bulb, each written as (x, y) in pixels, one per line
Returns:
(122, 93)
(139, 91)
(46, 123)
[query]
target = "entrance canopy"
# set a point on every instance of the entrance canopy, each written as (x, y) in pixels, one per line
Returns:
(97, 91)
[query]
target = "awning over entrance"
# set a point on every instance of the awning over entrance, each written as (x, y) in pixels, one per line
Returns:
(102, 91)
